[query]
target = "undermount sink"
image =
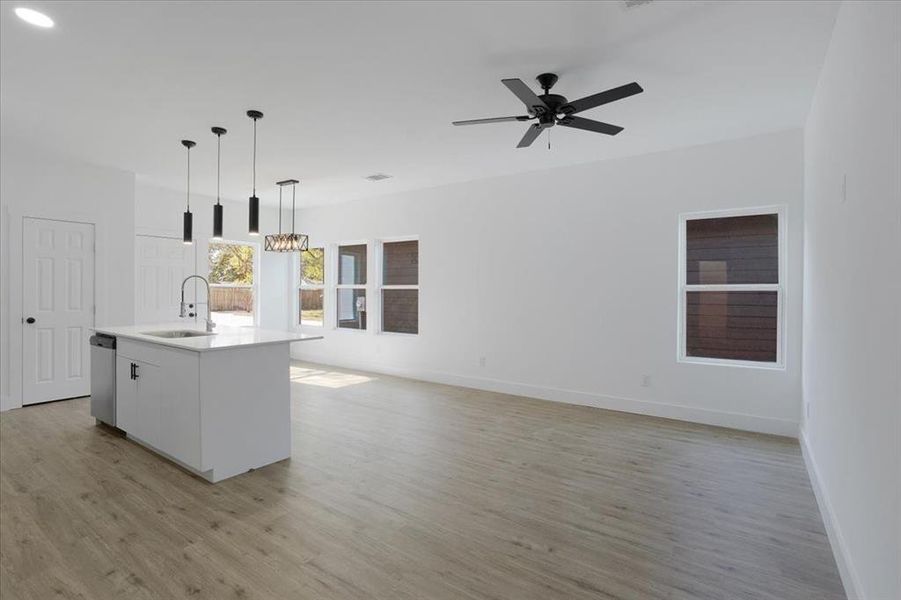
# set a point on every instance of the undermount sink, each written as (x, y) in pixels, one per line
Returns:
(178, 333)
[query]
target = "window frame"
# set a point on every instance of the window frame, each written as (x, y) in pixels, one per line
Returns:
(337, 285)
(683, 288)
(382, 286)
(298, 270)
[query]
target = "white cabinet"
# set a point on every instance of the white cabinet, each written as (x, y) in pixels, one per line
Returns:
(126, 396)
(138, 397)
(157, 398)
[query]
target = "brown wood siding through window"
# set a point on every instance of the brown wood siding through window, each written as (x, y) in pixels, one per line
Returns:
(401, 263)
(400, 311)
(732, 250)
(734, 325)
(400, 266)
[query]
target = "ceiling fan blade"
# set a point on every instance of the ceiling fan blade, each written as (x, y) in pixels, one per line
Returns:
(531, 135)
(589, 125)
(611, 95)
(525, 93)
(492, 120)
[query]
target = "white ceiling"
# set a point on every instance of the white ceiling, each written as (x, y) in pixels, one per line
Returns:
(355, 88)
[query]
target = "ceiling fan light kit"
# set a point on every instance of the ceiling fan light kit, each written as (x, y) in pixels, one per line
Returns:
(550, 109)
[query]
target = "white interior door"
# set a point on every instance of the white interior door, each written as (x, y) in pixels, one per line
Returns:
(58, 306)
(162, 264)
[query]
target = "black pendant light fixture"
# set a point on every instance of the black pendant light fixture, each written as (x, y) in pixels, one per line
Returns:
(188, 231)
(287, 242)
(254, 214)
(217, 208)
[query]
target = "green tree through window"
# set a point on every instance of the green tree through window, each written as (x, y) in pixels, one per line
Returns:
(313, 266)
(231, 263)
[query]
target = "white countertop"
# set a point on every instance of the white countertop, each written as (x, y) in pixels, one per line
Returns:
(222, 338)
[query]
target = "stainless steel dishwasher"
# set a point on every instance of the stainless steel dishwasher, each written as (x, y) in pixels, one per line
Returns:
(103, 378)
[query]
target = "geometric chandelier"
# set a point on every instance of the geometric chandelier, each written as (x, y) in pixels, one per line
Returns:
(286, 242)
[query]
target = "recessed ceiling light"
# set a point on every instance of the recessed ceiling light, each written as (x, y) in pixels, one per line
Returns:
(34, 17)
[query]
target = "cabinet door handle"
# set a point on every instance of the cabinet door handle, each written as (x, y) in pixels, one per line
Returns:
(135, 370)
(131, 372)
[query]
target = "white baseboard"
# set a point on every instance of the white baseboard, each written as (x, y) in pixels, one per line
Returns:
(846, 570)
(744, 422)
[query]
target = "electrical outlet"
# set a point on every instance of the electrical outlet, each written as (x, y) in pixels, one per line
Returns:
(646, 381)
(482, 361)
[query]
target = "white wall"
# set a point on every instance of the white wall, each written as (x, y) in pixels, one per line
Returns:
(565, 281)
(852, 296)
(36, 184)
(158, 211)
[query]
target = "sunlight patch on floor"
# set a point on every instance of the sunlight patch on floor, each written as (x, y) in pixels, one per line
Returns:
(323, 378)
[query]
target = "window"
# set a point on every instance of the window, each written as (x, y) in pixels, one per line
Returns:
(400, 286)
(731, 288)
(311, 293)
(351, 287)
(231, 283)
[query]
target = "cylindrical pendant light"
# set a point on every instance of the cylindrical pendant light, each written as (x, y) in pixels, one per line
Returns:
(254, 213)
(188, 231)
(217, 208)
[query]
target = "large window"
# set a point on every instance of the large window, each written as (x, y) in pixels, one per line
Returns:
(310, 295)
(351, 287)
(231, 283)
(400, 286)
(731, 288)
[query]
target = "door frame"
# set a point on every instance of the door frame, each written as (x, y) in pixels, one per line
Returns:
(17, 298)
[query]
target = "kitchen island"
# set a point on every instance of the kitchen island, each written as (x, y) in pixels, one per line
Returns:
(216, 403)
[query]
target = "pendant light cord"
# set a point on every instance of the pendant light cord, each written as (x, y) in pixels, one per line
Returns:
(254, 157)
(188, 186)
(218, 163)
(279, 210)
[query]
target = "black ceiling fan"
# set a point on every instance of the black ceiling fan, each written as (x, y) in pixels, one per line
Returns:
(552, 109)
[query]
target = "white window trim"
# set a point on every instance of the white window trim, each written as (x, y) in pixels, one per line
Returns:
(382, 286)
(336, 269)
(300, 285)
(683, 288)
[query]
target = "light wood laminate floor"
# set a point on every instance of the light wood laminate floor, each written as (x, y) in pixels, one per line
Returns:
(400, 489)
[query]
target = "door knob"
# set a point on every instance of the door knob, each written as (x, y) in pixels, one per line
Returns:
(29, 320)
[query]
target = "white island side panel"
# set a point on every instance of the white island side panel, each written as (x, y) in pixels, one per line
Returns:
(245, 408)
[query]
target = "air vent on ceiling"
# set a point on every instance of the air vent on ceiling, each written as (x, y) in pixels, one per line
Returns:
(377, 177)
(635, 3)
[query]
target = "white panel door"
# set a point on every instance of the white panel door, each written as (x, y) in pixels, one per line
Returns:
(58, 306)
(162, 264)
